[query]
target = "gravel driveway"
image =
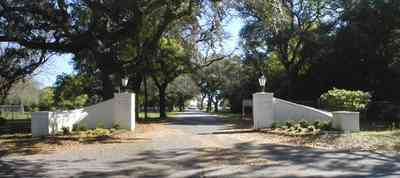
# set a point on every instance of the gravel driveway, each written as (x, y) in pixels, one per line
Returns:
(196, 144)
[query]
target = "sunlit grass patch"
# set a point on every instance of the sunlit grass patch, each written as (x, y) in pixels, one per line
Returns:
(227, 115)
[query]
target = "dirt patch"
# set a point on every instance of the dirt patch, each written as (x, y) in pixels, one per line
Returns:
(152, 130)
(24, 144)
(363, 141)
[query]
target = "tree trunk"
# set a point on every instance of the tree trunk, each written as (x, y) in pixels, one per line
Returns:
(291, 83)
(108, 87)
(202, 102)
(145, 97)
(209, 103)
(181, 104)
(162, 95)
(216, 105)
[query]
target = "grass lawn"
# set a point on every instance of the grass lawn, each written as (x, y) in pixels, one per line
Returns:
(150, 115)
(154, 116)
(228, 115)
(15, 115)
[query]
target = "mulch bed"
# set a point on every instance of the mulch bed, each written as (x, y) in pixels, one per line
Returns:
(325, 140)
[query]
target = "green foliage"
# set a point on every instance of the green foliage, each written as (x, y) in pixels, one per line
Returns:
(303, 127)
(46, 99)
(2, 120)
(181, 90)
(77, 102)
(66, 131)
(140, 23)
(100, 124)
(116, 126)
(17, 63)
(72, 91)
(339, 99)
(24, 92)
(174, 60)
(79, 127)
(99, 132)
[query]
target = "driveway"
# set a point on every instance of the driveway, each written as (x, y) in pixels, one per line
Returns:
(197, 144)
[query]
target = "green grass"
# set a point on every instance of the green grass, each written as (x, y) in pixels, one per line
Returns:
(156, 115)
(150, 115)
(228, 115)
(15, 115)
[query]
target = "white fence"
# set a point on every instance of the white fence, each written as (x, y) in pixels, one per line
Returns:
(118, 111)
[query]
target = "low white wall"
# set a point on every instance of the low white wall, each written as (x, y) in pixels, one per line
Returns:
(119, 110)
(267, 109)
(99, 114)
(288, 111)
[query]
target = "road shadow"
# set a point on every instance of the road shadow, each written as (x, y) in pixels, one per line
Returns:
(249, 160)
(22, 168)
(241, 160)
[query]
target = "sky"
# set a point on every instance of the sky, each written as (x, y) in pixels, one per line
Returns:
(57, 65)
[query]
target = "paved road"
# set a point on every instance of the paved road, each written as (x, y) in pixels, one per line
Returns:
(199, 145)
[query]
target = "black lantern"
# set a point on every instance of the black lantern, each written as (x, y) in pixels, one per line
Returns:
(262, 80)
(124, 82)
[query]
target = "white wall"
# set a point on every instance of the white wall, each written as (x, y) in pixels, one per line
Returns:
(288, 111)
(99, 114)
(119, 110)
(268, 110)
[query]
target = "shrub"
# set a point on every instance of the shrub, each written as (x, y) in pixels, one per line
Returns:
(116, 126)
(303, 127)
(99, 132)
(100, 124)
(79, 127)
(339, 99)
(66, 131)
(2, 121)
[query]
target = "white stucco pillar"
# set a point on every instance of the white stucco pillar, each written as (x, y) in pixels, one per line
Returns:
(346, 121)
(40, 123)
(124, 110)
(263, 110)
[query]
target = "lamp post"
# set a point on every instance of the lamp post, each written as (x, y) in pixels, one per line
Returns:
(262, 80)
(124, 82)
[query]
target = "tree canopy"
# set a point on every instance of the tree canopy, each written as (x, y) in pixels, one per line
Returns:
(173, 51)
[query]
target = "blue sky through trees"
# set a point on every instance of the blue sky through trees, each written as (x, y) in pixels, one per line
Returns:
(47, 74)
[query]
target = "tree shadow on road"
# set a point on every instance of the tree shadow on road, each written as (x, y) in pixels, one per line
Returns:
(241, 160)
(247, 159)
(22, 168)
